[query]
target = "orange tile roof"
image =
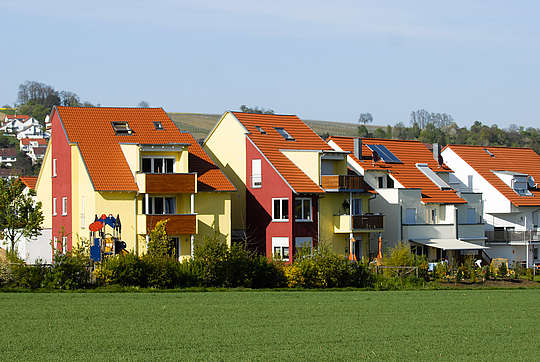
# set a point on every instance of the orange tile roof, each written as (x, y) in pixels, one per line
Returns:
(90, 128)
(29, 181)
(519, 160)
(406, 173)
(272, 142)
(40, 141)
(23, 117)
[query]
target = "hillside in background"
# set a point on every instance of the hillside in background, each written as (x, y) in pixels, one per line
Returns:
(199, 125)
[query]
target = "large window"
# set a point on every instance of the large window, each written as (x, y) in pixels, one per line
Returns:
(160, 205)
(280, 248)
(256, 175)
(357, 207)
(302, 209)
(157, 165)
(280, 209)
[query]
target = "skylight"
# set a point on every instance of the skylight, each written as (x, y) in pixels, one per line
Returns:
(158, 125)
(284, 133)
(433, 176)
(121, 128)
(489, 152)
(384, 153)
(260, 129)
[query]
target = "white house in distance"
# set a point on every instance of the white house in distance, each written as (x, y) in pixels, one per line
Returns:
(413, 193)
(507, 178)
(8, 156)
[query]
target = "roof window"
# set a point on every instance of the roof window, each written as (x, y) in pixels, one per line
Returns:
(284, 133)
(260, 129)
(121, 128)
(489, 152)
(441, 184)
(158, 125)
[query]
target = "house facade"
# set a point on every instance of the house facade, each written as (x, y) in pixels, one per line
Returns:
(135, 165)
(294, 191)
(413, 193)
(506, 177)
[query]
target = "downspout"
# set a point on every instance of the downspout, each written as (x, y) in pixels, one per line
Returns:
(136, 234)
(456, 221)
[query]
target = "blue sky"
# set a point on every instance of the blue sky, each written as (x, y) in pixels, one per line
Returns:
(477, 60)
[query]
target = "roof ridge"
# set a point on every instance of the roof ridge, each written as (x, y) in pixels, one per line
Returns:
(480, 146)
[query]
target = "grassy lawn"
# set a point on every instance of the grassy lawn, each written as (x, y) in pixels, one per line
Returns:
(469, 324)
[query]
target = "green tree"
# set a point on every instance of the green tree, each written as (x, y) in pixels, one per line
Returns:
(159, 243)
(365, 118)
(261, 110)
(20, 216)
(143, 104)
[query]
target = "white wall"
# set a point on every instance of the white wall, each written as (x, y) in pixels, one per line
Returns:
(32, 250)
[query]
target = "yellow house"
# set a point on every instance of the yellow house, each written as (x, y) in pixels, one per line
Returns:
(135, 165)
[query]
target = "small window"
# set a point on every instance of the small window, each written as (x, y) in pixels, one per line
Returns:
(64, 206)
(121, 128)
(389, 182)
(64, 244)
(146, 165)
(54, 167)
(357, 207)
(54, 206)
(380, 180)
(280, 248)
(256, 176)
(433, 216)
(302, 209)
(284, 133)
(280, 209)
(158, 125)
(260, 129)
(157, 165)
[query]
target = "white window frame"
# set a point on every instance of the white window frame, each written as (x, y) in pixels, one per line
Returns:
(54, 174)
(280, 247)
(64, 244)
(152, 201)
(54, 206)
(55, 243)
(302, 199)
(256, 177)
(64, 206)
(163, 158)
(281, 201)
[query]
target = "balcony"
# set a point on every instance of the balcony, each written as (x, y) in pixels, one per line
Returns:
(343, 183)
(360, 223)
(178, 224)
(509, 236)
(167, 183)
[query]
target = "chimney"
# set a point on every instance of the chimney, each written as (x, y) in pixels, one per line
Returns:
(358, 148)
(437, 153)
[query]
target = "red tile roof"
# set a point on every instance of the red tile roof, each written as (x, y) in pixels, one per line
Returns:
(29, 181)
(22, 117)
(40, 141)
(272, 142)
(91, 129)
(8, 152)
(406, 173)
(519, 160)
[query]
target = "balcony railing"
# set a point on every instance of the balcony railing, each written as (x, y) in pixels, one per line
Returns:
(508, 236)
(342, 182)
(178, 224)
(364, 223)
(167, 183)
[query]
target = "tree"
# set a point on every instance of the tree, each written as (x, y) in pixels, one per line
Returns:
(159, 243)
(69, 99)
(143, 104)
(31, 92)
(258, 110)
(365, 118)
(20, 216)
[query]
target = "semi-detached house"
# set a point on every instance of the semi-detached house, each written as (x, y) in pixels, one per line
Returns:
(135, 164)
(414, 194)
(508, 179)
(294, 191)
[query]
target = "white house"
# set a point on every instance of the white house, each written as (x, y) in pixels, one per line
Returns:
(8, 156)
(413, 193)
(507, 179)
(31, 131)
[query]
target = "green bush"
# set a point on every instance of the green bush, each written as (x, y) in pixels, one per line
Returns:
(69, 271)
(29, 276)
(210, 255)
(125, 270)
(530, 274)
(6, 276)
(502, 271)
(250, 270)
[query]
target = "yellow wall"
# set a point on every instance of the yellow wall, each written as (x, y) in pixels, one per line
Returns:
(44, 188)
(123, 204)
(131, 154)
(226, 145)
(214, 214)
(307, 161)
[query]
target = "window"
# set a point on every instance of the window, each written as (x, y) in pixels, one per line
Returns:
(535, 253)
(121, 128)
(157, 165)
(54, 206)
(357, 207)
(160, 205)
(280, 210)
(470, 182)
(54, 167)
(471, 215)
(64, 244)
(410, 216)
(280, 248)
(284, 133)
(380, 180)
(175, 241)
(256, 176)
(389, 182)
(260, 129)
(433, 216)
(55, 244)
(303, 244)
(64, 206)
(158, 125)
(302, 209)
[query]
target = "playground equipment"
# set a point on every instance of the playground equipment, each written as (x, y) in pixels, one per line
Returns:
(106, 242)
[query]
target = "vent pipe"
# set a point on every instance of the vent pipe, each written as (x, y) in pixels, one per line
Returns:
(358, 148)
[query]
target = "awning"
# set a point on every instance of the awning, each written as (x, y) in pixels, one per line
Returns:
(449, 244)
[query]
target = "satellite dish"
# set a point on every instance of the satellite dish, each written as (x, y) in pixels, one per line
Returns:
(531, 182)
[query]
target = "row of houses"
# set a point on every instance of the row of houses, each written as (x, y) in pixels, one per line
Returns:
(272, 182)
(30, 134)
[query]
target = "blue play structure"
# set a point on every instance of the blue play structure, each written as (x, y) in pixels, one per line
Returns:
(105, 235)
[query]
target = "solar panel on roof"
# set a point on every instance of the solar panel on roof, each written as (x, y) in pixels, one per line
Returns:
(384, 153)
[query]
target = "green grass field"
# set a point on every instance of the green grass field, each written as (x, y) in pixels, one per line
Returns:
(351, 325)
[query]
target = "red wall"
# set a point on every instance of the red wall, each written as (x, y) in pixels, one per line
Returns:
(61, 184)
(259, 225)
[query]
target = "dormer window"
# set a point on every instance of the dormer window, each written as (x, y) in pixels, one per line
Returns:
(121, 128)
(284, 133)
(260, 129)
(158, 125)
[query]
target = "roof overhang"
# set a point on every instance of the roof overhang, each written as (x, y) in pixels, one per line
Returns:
(164, 147)
(449, 244)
